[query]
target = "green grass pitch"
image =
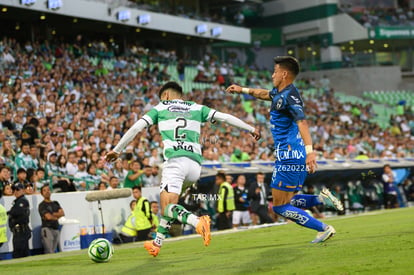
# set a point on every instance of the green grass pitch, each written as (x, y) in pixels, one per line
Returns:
(380, 242)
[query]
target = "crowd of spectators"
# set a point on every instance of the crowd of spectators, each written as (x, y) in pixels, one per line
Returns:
(344, 131)
(379, 13)
(63, 109)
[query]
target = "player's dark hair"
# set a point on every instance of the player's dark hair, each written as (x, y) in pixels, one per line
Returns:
(289, 63)
(171, 85)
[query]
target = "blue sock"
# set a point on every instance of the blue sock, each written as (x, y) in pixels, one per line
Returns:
(305, 201)
(299, 216)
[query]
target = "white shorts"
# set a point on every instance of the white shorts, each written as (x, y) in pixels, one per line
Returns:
(176, 171)
(241, 217)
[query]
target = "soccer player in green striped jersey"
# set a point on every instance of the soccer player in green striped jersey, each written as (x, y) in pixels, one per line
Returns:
(179, 123)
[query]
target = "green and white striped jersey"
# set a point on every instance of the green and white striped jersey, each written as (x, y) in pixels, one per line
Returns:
(179, 123)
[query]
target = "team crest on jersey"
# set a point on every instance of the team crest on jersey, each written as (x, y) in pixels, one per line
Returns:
(279, 103)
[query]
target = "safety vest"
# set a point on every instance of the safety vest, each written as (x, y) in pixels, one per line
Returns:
(155, 220)
(3, 224)
(226, 198)
(129, 227)
(142, 213)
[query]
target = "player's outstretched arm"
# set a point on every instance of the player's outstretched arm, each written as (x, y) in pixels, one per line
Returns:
(126, 139)
(234, 121)
(257, 93)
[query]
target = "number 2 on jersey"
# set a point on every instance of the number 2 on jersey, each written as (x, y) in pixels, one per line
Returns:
(181, 123)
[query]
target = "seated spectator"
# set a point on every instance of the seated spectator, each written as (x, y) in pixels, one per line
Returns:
(64, 184)
(51, 167)
(239, 156)
(155, 158)
(119, 172)
(22, 177)
(28, 189)
(81, 176)
(201, 77)
(71, 164)
(32, 179)
(24, 159)
(92, 178)
(101, 186)
(7, 190)
(148, 179)
(4, 178)
(133, 177)
(103, 171)
(113, 183)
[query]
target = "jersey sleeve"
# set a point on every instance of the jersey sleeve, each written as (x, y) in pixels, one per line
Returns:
(295, 105)
(207, 114)
(272, 93)
(151, 117)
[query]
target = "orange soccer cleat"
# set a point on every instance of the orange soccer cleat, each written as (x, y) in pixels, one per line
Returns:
(203, 228)
(152, 248)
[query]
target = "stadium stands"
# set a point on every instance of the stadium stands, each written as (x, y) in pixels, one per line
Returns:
(112, 76)
(85, 101)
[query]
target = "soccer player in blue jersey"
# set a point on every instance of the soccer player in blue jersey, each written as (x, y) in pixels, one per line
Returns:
(293, 149)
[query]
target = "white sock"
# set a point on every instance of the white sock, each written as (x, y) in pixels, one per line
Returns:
(193, 220)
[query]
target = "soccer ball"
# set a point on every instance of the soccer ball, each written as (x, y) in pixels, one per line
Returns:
(100, 250)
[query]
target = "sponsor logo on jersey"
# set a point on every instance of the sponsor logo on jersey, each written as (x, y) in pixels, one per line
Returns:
(178, 109)
(182, 102)
(182, 146)
(297, 100)
(291, 154)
